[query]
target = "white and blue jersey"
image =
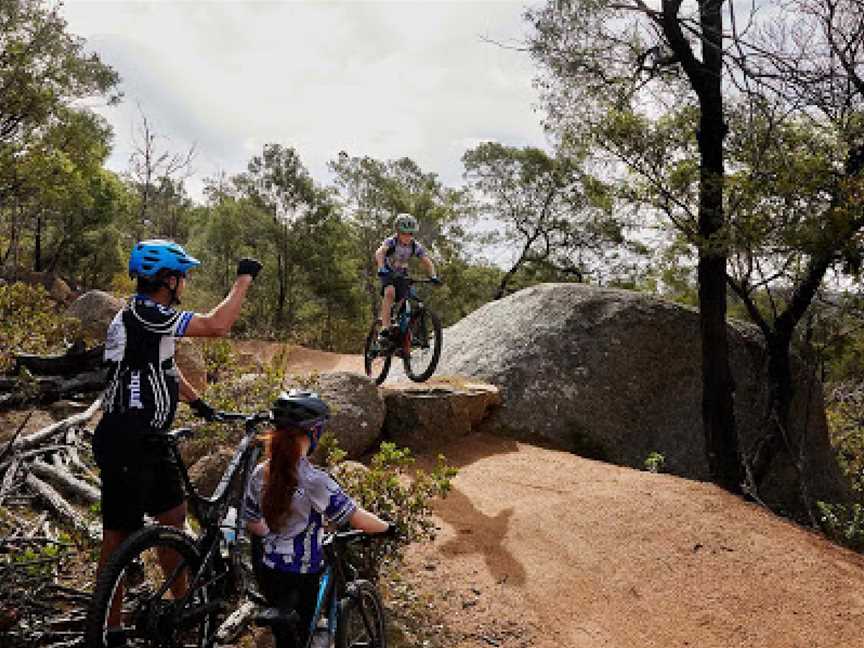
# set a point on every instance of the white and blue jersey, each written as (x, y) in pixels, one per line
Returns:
(140, 346)
(398, 255)
(296, 546)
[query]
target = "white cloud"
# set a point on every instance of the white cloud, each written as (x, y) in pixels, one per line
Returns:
(386, 79)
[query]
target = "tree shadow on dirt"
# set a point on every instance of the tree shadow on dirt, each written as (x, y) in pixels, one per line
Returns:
(477, 532)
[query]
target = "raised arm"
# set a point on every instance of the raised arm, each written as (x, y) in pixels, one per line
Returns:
(218, 322)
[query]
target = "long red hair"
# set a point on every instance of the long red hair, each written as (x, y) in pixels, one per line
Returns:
(284, 451)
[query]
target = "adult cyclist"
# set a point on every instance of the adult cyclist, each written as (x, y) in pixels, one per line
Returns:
(143, 390)
(392, 258)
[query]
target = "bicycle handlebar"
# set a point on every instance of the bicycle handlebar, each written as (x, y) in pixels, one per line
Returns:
(251, 420)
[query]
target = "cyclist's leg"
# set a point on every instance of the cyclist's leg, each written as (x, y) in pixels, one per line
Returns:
(168, 559)
(122, 509)
(388, 294)
(289, 591)
(165, 499)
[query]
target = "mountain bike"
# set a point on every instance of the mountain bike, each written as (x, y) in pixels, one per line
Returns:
(165, 587)
(418, 339)
(348, 613)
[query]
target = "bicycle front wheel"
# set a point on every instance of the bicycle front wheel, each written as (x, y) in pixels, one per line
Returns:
(426, 341)
(144, 595)
(376, 360)
(361, 618)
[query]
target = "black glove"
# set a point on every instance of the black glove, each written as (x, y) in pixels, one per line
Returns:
(392, 531)
(247, 266)
(202, 409)
(436, 281)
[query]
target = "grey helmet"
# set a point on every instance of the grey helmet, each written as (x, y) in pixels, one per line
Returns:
(296, 408)
(406, 224)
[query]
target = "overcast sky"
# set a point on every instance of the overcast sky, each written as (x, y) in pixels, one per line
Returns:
(384, 79)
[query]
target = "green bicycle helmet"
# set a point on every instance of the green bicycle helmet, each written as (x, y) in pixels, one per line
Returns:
(406, 224)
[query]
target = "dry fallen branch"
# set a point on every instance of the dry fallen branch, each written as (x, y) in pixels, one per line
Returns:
(60, 506)
(66, 481)
(33, 440)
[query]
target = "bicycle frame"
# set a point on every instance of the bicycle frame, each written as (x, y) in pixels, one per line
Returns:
(334, 583)
(210, 511)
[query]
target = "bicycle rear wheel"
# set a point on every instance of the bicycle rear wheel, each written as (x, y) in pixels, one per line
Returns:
(361, 618)
(426, 341)
(375, 359)
(139, 598)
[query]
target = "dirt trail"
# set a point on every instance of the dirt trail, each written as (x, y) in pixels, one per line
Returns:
(298, 359)
(542, 548)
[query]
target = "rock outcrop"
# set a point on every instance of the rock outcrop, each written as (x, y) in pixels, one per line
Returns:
(357, 409)
(616, 375)
(426, 418)
(95, 309)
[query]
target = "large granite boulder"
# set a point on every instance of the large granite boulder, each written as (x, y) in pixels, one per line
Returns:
(616, 375)
(95, 309)
(427, 417)
(357, 409)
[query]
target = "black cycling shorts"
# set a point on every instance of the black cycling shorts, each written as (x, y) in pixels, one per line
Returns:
(397, 280)
(138, 473)
(287, 590)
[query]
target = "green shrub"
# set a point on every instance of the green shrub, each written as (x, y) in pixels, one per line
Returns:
(654, 462)
(845, 416)
(30, 323)
(386, 488)
(843, 523)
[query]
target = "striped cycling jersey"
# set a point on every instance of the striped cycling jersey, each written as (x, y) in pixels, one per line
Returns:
(296, 546)
(398, 255)
(143, 381)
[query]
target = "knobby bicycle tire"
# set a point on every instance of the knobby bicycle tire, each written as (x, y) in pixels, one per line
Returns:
(420, 325)
(360, 622)
(147, 617)
(377, 373)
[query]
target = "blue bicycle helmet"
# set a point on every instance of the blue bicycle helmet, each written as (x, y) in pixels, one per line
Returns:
(149, 257)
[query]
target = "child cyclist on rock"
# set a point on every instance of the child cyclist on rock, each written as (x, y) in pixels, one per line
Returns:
(392, 259)
(287, 502)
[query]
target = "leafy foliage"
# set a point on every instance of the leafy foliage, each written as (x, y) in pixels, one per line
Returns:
(29, 322)
(386, 488)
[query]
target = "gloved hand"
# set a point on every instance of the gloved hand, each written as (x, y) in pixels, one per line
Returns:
(436, 281)
(384, 272)
(247, 266)
(202, 409)
(393, 531)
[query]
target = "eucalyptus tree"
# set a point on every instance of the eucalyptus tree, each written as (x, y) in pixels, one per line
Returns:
(159, 174)
(549, 210)
(279, 183)
(44, 73)
(606, 57)
(800, 181)
(770, 177)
